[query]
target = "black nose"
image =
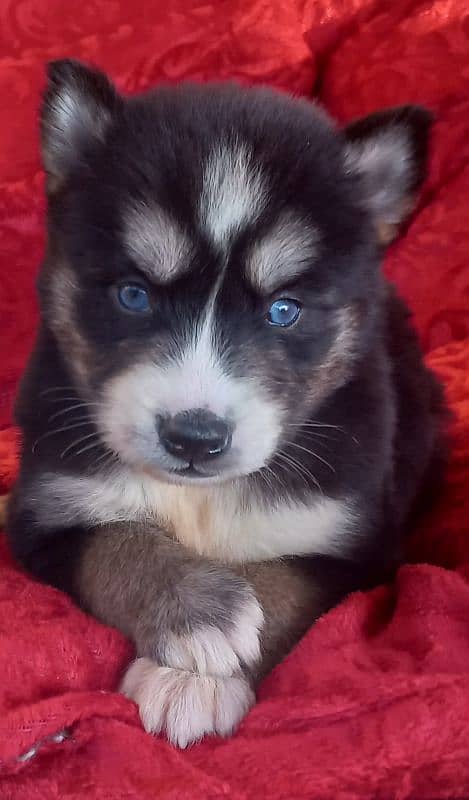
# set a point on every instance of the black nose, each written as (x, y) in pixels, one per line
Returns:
(195, 435)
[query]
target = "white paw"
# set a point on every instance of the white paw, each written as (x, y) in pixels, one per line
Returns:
(184, 705)
(212, 651)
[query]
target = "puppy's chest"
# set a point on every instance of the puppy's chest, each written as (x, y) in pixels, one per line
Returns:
(203, 521)
(217, 523)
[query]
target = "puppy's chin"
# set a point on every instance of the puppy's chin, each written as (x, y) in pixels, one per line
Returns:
(182, 478)
(184, 475)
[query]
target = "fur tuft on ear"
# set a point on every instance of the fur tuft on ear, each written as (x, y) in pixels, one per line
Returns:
(77, 109)
(389, 150)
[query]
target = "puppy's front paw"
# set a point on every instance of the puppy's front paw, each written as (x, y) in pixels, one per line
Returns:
(185, 705)
(218, 650)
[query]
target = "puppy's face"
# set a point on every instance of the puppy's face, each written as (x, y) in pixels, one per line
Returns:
(212, 271)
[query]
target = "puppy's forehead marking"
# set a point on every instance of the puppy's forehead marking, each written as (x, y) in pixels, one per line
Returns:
(283, 254)
(155, 241)
(233, 192)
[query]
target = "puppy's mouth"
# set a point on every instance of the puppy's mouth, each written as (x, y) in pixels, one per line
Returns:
(191, 475)
(183, 475)
(191, 471)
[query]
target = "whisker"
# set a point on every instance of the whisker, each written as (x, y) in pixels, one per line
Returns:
(266, 480)
(109, 454)
(315, 425)
(300, 469)
(312, 453)
(322, 442)
(62, 399)
(305, 471)
(77, 424)
(88, 447)
(71, 408)
(308, 425)
(279, 480)
(56, 389)
(76, 442)
(270, 483)
(289, 464)
(319, 435)
(292, 466)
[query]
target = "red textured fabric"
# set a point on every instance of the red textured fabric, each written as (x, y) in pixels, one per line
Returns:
(374, 702)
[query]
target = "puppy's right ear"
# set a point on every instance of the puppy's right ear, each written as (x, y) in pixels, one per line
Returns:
(389, 151)
(78, 107)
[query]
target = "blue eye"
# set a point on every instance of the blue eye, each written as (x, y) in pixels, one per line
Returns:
(284, 312)
(133, 297)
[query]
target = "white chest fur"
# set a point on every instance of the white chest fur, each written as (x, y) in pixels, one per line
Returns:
(212, 521)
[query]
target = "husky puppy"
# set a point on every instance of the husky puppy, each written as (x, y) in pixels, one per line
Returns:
(226, 418)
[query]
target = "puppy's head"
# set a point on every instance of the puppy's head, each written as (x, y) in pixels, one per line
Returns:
(212, 273)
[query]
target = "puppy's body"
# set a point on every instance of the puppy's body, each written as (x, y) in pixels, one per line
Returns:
(226, 420)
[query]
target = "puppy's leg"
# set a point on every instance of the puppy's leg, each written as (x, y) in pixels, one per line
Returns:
(212, 692)
(209, 691)
(291, 601)
(294, 592)
(195, 624)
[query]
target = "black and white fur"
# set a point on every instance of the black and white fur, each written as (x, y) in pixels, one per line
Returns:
(219, 200)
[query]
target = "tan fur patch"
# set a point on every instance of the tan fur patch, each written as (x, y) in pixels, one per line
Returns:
(388, 231)
(155, 241)
(283, 254)
(3, 510)
(63, 291)
(338, 363)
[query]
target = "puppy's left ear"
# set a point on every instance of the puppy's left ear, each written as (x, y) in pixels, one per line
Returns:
(78, 107)
(389, 150)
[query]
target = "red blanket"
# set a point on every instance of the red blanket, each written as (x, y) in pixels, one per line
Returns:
(374, 702)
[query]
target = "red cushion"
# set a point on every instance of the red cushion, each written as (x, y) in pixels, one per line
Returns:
(374, 702)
